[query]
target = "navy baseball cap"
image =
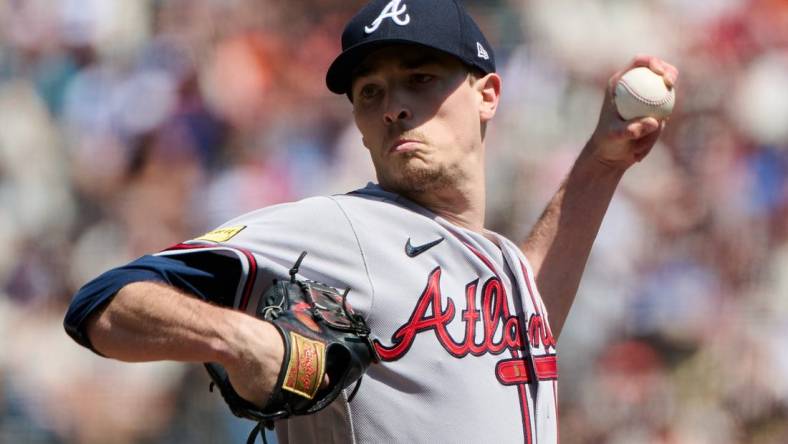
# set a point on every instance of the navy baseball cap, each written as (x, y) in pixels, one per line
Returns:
(443, 25)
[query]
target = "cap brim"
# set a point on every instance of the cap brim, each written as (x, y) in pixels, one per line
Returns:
(339, 75)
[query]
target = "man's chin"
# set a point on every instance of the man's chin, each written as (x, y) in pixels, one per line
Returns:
(418, 180)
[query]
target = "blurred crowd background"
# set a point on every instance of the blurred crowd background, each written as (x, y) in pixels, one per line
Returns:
(128, 126)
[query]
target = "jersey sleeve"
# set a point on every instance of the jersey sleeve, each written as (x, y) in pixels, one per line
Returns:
(210, 275)
(233, 265)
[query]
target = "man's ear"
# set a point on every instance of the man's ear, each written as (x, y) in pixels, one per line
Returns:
(489, 88)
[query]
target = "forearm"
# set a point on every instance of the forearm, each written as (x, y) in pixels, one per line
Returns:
(560, 243)
(149, 321)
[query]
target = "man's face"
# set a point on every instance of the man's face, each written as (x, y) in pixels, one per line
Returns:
(418, 112)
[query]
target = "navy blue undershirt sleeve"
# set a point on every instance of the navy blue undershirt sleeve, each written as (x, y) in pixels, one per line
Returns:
(207, 276)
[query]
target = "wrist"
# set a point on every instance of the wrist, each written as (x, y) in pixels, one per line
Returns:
(245, 339)
(590, 163)
(232, 338)
(251, 351)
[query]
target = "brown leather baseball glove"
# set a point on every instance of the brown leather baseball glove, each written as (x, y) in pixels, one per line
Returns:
(322, 336)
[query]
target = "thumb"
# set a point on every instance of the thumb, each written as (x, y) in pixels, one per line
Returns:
(637, 129)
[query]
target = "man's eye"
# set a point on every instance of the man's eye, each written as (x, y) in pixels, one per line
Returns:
(369, 91)
(421, 78)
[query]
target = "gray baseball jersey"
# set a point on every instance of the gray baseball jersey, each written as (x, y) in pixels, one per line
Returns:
(467, 352)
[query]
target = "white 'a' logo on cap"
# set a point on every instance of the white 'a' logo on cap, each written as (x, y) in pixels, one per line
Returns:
(393, 10)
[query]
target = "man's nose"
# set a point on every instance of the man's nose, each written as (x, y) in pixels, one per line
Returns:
(396, 110)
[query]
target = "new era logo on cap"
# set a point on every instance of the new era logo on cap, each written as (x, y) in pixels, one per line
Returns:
(393, 11)
(481, 52)
(443, 25)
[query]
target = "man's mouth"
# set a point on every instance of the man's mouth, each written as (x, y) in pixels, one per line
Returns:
(404, 145)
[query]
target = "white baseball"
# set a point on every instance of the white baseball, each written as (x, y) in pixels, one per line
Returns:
(642, 93)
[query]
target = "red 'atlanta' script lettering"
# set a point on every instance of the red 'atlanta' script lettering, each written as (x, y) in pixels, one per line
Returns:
(494, 315)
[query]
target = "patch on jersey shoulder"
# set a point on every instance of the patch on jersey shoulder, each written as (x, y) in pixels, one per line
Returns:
(221, 234)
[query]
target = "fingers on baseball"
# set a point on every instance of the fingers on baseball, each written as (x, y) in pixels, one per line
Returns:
(669, 73)
(636, 129)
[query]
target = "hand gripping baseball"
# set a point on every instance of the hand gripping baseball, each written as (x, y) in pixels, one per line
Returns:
(619, 143)
(322, 337)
